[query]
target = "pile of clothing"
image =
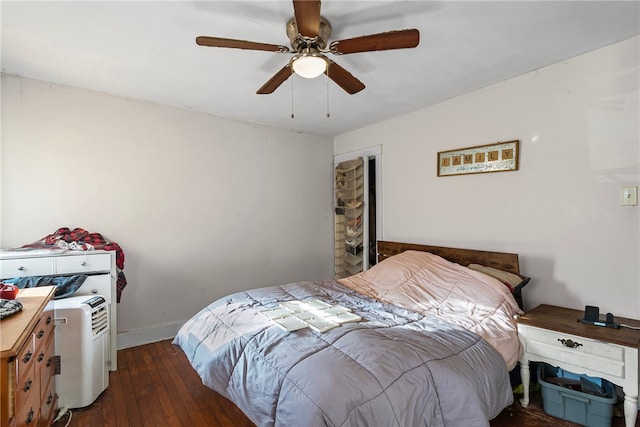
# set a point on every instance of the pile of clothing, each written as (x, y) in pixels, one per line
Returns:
(80, 239)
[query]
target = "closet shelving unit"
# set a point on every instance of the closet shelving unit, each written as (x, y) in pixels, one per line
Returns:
(349, 208)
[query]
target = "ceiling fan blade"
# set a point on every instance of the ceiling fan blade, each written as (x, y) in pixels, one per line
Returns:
(239, 44)
(274, 82)
(343, 78)
(400, 39)
(307, 13)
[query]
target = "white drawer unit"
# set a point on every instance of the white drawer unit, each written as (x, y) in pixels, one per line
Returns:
(26, 267)
(87, 263)
(582, 353)
(554, 335)
(100, 266)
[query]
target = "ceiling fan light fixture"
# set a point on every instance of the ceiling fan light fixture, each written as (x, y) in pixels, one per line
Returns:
(309, 65)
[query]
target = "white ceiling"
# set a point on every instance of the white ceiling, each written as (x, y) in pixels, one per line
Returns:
(146, 50)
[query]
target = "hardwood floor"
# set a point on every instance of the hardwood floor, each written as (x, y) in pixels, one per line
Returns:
(155, 386)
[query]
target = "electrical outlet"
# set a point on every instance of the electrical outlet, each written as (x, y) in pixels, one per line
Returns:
(629, 196)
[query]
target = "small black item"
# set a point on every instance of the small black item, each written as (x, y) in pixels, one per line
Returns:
(592, 317)
(591, 313)
(94, 301)
(57, 368)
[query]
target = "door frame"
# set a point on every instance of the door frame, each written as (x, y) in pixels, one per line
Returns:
(366, 153)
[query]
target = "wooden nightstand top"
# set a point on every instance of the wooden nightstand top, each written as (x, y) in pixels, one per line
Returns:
(568, 321)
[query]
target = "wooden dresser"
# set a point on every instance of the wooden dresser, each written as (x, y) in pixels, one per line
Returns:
(27, 363)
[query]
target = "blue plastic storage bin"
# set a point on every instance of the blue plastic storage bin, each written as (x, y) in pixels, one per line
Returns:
(576, 406)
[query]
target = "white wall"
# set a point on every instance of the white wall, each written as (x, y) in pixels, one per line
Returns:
(205, 206)
(202, 206)
(579, 131)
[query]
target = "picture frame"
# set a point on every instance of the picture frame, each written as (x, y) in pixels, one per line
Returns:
(497, 157)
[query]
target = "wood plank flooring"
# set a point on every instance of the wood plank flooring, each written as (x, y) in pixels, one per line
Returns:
(155, 386)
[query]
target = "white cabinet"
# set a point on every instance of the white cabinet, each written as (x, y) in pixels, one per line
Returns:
(100, 266)
(554, 335)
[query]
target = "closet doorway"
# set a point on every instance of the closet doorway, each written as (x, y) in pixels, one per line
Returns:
(357, 202)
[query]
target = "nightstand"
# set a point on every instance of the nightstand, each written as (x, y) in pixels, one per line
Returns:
(555, 335)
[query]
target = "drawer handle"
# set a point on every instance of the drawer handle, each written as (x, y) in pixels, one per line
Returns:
(21, 268)
(569, 343)
(40, 357)
(49, 399)
(574, 397)
(49, 320)
(40, 333)
(27, 357)
(29, 417)
(83, 263)
(49, 361)
(27, 385)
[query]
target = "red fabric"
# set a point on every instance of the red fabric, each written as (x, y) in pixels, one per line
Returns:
(96, 240)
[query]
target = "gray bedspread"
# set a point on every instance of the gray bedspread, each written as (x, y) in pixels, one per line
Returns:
(395, 368)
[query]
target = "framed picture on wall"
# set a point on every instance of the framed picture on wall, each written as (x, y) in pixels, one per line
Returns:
(498, 157)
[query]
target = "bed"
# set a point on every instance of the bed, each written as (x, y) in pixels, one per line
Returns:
(432, 344)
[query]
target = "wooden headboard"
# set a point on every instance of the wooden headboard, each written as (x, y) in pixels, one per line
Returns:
(500, 260)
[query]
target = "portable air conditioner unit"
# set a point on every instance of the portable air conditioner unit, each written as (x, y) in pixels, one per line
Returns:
(82, 342)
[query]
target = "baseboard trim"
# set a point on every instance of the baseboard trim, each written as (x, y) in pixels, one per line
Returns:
(142, 336)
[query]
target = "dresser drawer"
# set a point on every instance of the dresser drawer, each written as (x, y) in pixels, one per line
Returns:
(43, 331)
(26, 355)
(96, 284)
(29, 414)
(25, 267)
(46, 366)
(27, 387)
(83, 263)
(595, 356)
(48, 403)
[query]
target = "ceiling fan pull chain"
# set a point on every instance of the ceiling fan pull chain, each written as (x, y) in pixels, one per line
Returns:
(328, 113)
(292, 79)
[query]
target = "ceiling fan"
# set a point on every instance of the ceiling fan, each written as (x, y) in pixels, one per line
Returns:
(308, 33)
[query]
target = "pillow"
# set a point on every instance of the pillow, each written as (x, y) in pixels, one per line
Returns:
(515, 282)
